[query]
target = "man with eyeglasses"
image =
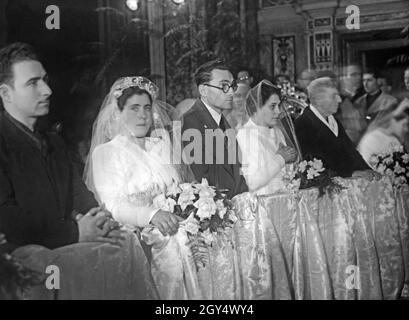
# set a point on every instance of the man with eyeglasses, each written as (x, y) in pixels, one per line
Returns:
(216, 87)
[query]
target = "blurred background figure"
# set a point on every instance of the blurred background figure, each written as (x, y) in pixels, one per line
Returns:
(374, 100)
(305, 78)
(384, 85)
(244, 77)
(404, 92)
(237, 115)
(351, 82)
(281, 80)
(385, 133)
(350, 114)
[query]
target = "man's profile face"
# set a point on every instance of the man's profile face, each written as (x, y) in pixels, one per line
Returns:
(30, 93)
(370, 84)
(216, 97)
(406, 79)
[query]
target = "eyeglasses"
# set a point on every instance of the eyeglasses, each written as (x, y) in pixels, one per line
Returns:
(225, 87)
(244, 78)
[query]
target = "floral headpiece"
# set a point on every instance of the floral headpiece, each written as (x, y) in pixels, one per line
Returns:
(140, 82)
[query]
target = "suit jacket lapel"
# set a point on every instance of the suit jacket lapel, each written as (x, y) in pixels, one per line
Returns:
(205, 116)
(321, 127)
(208, 122)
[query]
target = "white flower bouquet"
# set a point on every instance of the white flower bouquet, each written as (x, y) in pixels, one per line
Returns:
(206, 211)
(394, 164)
(309, 174)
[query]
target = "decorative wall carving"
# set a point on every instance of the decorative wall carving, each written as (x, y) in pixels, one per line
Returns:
(284, 56)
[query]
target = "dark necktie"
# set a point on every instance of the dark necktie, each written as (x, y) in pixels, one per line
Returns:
(223, 123)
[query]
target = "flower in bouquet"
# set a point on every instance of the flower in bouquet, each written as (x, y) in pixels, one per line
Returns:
(192, 226)
(173, 190)
(206, 211)
(206, 208)
(221, 209)
(393, 164)
(312, 173)
(205, 191)
(186, 198)
(164, 203)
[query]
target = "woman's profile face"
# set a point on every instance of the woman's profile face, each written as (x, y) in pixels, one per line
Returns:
(268, 115)
(137, 115)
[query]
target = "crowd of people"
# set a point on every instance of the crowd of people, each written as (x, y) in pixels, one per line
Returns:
(44, 202)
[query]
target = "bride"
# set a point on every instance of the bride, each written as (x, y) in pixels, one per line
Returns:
(129, 165)
(129, 162)
(265, 140)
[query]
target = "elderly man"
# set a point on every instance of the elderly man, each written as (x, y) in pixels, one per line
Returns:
(374, 100)
(43, 201)
(216, 87)
(321, 136)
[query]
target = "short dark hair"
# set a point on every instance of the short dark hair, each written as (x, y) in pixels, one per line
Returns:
(374, 72)
(11, 54)
(203, 74)
(127, 93)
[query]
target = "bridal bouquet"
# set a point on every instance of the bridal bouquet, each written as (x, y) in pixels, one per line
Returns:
(395, 165)
(307, 174)
(206, 212)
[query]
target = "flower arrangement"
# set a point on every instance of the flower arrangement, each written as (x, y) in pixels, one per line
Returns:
(206, 212)
(394, 164)
(308, 174)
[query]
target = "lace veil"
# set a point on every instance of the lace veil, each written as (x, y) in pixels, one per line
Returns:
(254, 102)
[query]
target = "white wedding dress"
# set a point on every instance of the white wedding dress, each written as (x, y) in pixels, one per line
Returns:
(262, 167)
(127, 177)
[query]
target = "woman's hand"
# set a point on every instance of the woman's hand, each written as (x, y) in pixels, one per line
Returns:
(289, 154)
(166, 222)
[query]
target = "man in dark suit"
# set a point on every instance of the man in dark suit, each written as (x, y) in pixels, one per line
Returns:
(217, 160)
(43, 200)
(321, 136)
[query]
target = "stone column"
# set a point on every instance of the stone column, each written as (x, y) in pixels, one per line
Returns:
(157, 45)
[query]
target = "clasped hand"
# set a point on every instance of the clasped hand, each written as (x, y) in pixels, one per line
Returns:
(289, 154)
(166, 222)
(97, 225)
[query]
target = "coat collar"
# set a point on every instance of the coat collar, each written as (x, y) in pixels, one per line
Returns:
(204, 115)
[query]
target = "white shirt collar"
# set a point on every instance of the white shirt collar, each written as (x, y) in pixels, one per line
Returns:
(331, 123)
(215, 115)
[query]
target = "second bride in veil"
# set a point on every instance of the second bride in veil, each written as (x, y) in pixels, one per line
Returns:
(267, 140)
